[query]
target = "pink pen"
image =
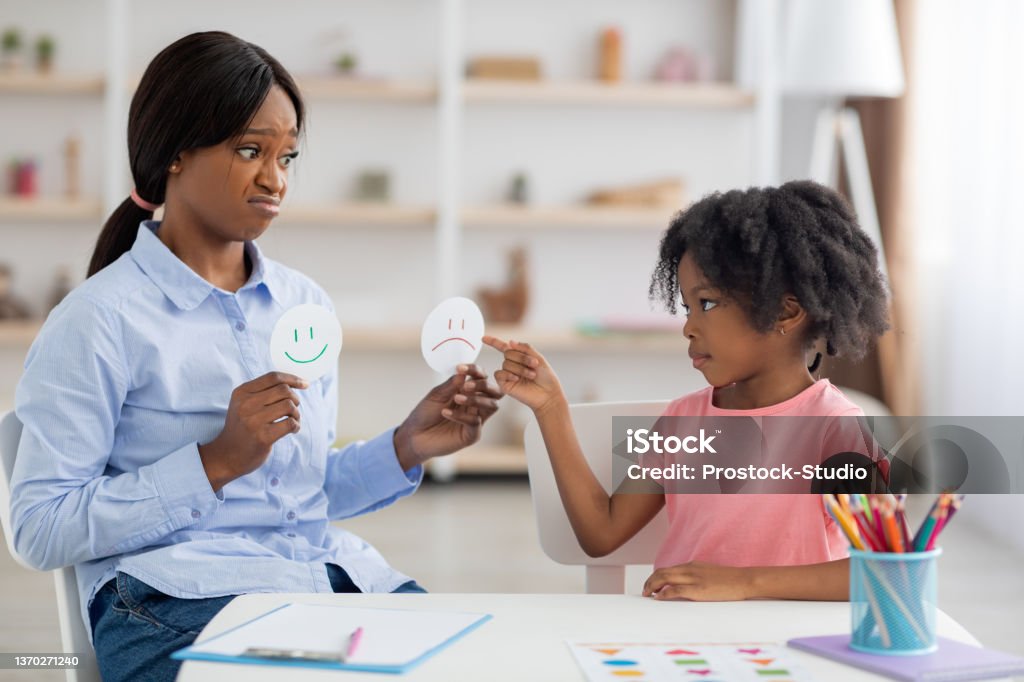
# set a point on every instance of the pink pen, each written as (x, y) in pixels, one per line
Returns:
(353, 642)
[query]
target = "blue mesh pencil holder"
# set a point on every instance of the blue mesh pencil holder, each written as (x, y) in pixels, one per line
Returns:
(893, 602)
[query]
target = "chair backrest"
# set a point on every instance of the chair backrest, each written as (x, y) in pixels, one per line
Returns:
(10, 435)
(73, 635)
(593, 424)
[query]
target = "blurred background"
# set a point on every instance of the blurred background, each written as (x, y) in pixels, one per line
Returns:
(528, 155)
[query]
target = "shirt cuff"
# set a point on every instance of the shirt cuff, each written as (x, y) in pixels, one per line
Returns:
(381, 472)
(184, 488)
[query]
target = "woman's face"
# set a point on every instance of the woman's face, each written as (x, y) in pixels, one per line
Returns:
(234, 189)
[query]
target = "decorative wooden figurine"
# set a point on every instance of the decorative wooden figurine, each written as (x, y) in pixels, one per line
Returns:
(61, 287)
(508, 304)
(505, 68)
(72, 151)
(610, 66)
(666, 193)
(11, 308)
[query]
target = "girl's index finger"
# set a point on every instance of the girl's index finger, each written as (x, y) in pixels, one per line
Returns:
(496, 343)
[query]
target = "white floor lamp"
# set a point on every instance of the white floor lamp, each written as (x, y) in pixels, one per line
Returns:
(836, 49)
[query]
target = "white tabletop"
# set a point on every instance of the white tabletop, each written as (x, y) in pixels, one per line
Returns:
(526, 638)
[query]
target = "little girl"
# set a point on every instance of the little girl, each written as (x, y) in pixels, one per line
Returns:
(763, 274)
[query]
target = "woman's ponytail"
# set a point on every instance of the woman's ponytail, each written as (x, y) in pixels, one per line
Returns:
(118, 235)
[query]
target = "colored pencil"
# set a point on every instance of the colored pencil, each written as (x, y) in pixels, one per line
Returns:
(844, 522)
(892, 530)
(868, 533)
(939, 523)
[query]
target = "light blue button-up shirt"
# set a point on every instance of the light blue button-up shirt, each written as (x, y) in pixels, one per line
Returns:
(128, 375)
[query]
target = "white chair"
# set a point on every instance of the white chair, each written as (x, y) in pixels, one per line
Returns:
(593, 422)
(73, 635)
(607, 574)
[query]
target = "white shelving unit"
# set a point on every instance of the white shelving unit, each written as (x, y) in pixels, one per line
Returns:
(452, 216)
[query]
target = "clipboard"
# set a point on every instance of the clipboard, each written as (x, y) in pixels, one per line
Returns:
(394, 640)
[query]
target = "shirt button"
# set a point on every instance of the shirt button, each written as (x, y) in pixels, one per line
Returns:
(274, 481)
(291, 535)
(291, 515)
(240, 326)
(196, 514)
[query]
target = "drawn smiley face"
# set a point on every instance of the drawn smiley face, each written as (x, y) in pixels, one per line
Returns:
(452, 335)
(306, 341)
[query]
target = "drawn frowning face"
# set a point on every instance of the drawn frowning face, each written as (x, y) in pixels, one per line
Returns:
(452, 335)
(306, 341)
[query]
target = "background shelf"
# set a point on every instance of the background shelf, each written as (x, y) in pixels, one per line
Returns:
(326, 87)
(596, 92)
(500, 216)
(50, 84)
(49, 208)
(359, 214)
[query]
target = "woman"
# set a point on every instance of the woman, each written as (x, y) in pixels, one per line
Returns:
(160, 454)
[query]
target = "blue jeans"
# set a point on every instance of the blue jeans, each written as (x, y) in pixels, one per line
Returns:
(135, 628)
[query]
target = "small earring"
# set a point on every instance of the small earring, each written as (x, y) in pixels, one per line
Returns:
(782, 331)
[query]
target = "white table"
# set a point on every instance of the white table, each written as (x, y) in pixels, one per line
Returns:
(526, 638)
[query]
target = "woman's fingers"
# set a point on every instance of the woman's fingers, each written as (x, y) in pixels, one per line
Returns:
(477, 401)
(277, 394)
(460, 416)
(277, 430)
(282, 408)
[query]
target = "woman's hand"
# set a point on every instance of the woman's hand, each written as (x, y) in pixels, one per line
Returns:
(254, 423)
(448, 419)
(526, 375)
(698, 581)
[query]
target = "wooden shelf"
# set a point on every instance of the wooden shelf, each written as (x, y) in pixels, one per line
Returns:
(566, 216)
(554, 340)
(50, 84)
(714, 95)
(490, 459)
(22, 332)
(328, 87)
(49, 208)
(356, 214)
(18, 333)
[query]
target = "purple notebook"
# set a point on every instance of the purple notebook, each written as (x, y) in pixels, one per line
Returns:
(953, 661)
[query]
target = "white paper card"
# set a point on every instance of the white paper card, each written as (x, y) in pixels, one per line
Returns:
(391, 637)
(452, 335)
(306, 341)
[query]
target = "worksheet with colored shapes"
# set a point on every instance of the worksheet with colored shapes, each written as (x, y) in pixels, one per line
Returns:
(646, 662)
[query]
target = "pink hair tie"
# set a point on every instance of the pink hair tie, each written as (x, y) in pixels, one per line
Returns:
(142, 203)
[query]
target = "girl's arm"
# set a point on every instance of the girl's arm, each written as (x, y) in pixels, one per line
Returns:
(601, 522)
(697, 581)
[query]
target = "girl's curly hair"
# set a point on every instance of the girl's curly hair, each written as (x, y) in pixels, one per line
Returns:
(759, 244)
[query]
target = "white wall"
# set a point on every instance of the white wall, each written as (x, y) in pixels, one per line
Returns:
(385, 276)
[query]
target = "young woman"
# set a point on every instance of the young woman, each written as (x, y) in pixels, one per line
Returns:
(161, 456)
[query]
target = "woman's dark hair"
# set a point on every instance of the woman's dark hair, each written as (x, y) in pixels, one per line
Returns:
(760, 244)
(199, 91)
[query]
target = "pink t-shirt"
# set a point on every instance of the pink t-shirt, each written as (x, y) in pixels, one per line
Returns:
(763, 529)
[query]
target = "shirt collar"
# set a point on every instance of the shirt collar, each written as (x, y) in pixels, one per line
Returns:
(179, 282)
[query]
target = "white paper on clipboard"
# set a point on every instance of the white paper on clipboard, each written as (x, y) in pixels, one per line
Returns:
(392, 638)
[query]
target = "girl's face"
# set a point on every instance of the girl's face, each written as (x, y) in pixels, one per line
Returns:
(723, 344)
(234, 189)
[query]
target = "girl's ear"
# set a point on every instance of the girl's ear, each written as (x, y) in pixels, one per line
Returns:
(792, 315)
